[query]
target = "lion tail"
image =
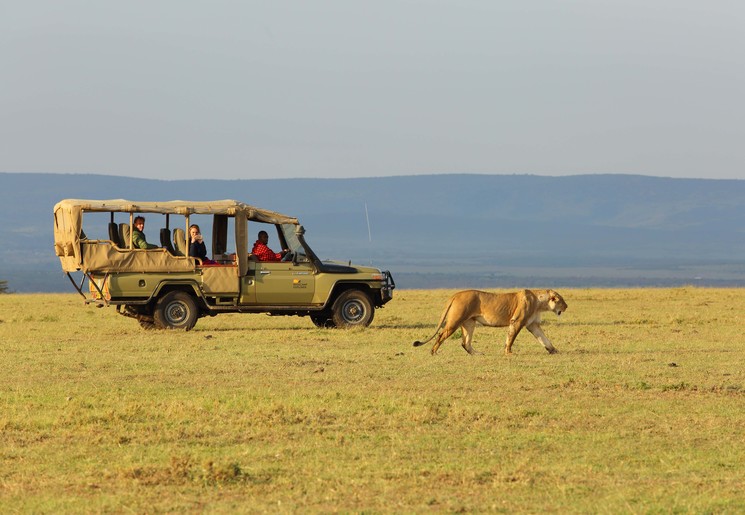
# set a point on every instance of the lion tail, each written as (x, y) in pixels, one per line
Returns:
(439, 325)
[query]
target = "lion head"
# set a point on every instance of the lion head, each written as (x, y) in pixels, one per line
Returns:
(556, 302)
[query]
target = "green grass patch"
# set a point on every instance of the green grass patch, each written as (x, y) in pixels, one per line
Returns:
(641, 411)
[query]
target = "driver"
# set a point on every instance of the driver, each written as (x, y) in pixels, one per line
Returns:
(263, 252)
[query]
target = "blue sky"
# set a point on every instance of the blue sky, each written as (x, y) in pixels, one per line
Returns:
(247, 89)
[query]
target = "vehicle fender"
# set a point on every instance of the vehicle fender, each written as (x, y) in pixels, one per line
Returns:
(342, 286)
(188, 286)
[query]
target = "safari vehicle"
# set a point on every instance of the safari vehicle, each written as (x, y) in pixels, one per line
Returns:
(166, 288)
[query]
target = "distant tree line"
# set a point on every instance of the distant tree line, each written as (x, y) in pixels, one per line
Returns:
(4, 287)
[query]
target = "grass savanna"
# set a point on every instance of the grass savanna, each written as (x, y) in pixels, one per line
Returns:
(642, 410)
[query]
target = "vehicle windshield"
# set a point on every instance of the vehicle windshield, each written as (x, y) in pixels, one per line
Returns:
(293, 243)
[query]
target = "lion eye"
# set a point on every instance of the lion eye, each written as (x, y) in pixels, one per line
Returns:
(553, 299)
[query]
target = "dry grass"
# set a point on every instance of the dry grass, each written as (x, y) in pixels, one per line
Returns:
(641, 411)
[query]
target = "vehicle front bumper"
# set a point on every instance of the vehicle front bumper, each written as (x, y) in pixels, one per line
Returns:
(387, 287)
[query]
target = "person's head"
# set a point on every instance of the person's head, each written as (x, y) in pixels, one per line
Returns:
(194, 230)
(263, 237)
(139, 223)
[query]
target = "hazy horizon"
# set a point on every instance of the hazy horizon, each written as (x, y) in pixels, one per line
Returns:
(392, 175)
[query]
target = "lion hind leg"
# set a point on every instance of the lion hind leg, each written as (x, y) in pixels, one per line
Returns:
(536, 331)
(444, 335)
(467, 329)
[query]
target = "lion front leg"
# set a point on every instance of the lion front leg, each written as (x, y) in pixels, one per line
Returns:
(512, 332)
(536, 330)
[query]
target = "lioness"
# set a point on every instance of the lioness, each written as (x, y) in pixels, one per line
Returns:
(516, 310)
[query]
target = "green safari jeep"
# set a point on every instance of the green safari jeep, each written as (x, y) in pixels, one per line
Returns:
(166, 288)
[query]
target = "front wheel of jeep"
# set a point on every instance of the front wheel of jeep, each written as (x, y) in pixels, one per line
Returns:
(176, 310)
(352, 308)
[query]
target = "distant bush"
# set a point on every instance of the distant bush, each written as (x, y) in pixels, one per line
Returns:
(4, 287)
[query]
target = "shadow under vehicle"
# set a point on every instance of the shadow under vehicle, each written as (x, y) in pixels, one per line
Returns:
(166, 288)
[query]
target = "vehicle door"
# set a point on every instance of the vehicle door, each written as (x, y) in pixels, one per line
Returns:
(284, 283)
(289, 282)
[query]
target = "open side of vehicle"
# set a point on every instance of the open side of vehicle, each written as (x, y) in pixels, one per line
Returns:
(167, 288)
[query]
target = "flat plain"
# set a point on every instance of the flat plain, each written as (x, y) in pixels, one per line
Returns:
(641, 411)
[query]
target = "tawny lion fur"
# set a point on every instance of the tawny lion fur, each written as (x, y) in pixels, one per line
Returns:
(514, 310)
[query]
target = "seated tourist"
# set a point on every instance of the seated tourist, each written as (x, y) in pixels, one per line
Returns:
(138, 236)
(263, 252)
(197, 248)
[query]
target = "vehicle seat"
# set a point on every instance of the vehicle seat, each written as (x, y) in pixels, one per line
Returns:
(124, 236)
(179, 242)
(114, 235)
(165, 240)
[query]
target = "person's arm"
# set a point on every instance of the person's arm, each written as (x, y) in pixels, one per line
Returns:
(138, 240)
(194, 249)
(198, 249)
(264, 253)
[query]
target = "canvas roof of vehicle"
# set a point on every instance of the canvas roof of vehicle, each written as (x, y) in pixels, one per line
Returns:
(181, 207)
(68, 218)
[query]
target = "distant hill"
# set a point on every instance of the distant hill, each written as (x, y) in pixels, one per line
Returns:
(442, 230)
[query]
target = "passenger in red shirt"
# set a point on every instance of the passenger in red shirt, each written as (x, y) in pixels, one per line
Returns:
(263, 252)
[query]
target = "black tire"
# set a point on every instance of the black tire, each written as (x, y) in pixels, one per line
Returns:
(322, 320)
(176, 310)
(352, 308)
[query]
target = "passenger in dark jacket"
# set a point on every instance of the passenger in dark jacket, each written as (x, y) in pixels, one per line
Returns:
(197, 248)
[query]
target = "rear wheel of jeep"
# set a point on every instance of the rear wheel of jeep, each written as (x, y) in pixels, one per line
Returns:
(176, 310)
(352, 308)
